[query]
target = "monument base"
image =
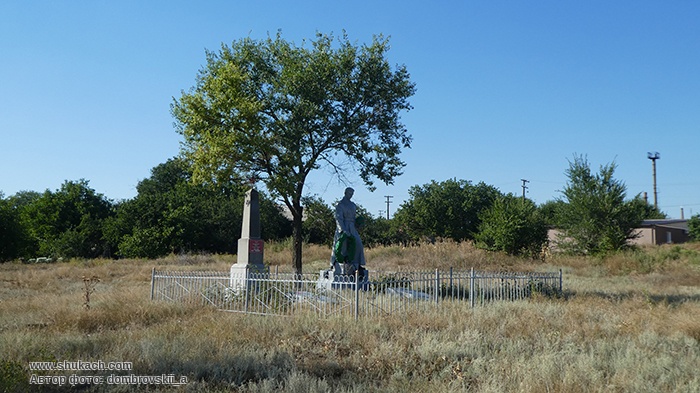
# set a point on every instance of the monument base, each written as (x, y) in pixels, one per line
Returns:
(328, 279)
(241, 275)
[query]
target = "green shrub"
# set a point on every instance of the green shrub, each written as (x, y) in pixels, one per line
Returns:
(514, 226)
(13, 377)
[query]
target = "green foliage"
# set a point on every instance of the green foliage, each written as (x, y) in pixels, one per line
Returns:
(319, 223)
(374, 231)
(694, 227)
(274, 223)
(596, 218)
(378, 232)
(272, 111)
(68, 223)
(16, 239)
(512, 225)
(171, 214)
(449, 209)
(150, 242)
(12, 236)
(649, 211)
(13, 377)
(550, 211)
(648, 262)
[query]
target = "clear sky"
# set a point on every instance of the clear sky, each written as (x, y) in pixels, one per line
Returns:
(506, 90)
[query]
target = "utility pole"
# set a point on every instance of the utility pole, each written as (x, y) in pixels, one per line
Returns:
(524, 187)
(653, 157)
(388, 201)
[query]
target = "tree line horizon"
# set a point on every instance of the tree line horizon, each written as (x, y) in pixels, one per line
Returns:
(171, 214)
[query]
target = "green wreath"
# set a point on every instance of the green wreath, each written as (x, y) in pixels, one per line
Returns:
(350, 245)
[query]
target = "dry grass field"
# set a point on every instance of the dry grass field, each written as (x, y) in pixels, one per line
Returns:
(628, 322)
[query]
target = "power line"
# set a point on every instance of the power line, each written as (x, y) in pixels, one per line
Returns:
(653, 157)
(388, 201)
(524, 187)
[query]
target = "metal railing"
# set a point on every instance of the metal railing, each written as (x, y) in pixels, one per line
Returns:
(385, 293)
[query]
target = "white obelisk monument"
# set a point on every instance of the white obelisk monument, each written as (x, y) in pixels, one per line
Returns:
(250, 245)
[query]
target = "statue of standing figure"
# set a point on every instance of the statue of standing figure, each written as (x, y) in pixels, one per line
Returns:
(348, 254)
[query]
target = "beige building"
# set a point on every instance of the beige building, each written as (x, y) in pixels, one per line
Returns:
(651, 232)
(663, 231)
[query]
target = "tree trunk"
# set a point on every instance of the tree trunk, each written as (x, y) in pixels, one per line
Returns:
(297, 238)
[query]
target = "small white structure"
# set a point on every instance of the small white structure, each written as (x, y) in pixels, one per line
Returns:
(328, 279)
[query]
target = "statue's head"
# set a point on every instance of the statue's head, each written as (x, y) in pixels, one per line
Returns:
(349, 192)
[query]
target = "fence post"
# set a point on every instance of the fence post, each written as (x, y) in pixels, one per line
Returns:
(437, 286)
(451, 290)
(471, 288)
(153, 278)
(561, 287)
(246, 289)
(357, 294)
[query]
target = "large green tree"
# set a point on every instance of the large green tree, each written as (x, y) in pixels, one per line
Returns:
(596, 216)
(273, 111)
(513, 225)
(448, 209)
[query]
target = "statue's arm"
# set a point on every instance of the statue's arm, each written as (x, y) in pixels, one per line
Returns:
(340, 219)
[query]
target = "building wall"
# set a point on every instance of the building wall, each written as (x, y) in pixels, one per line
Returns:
(667, 235)
(646, 237)
(656, 235)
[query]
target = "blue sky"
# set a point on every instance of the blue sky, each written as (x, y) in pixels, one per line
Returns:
(506, 90)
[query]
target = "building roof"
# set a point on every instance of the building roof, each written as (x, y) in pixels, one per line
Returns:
(666, 222)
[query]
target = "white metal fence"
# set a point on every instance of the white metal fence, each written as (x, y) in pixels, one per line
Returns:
(385, 293)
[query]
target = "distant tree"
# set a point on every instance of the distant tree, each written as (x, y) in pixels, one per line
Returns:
(448, 209)
(373, 230)
(550, 211)
(377, 231)
(398, 232)
(27, 245)
(319, 221)
(273, 111)
(69, 222)
(649, 211)
(275, 225)
(694, 227)
(171, 214)
(11, 231)
(319, 224)
(512, 225)
(23, 199)
(596, 217)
